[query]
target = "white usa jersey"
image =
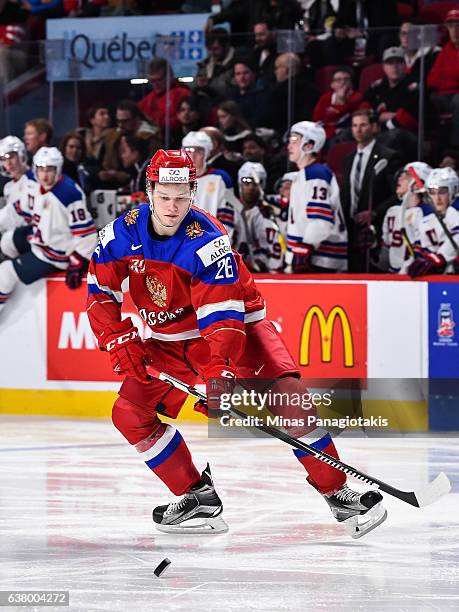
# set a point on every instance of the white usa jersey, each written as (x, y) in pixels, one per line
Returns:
(19, 202)
(62, 224)
(431, 235)
(399, 255)
(316, 218)
(215, 195)
(258, 239)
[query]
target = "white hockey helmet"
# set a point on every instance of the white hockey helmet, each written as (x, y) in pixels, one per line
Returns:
(253, 170)
(310, 132)
(12, 144)
(48, 156)
(198, 139)
(444, 177)
(421, 168)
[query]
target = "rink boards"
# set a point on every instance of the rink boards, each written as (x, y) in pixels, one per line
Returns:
(335, 327)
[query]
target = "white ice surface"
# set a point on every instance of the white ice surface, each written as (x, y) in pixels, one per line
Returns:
(75, 514)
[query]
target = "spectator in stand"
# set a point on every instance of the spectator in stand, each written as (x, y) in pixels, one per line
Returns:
(233, 125)
(134, 155)
(334, 109)
(218, 65)
(243, 15)
(37, 133)
(394, 99)
(305, 95)
(153, 105)
(443, 79)
(218, 158)
(254, 149)
(361, 187)
(77, 165)
(131, 121)
(351, 39)
(264, 52)
(252, 98)
(99, 137)
(450, 159)
(189, 120)
(413, 56)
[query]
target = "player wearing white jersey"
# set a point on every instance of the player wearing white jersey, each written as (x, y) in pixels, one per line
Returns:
(214, 188)
(435, 254)
(19, 195)
(256, 236)
(316, 231)
(404, 217)
(64, 234)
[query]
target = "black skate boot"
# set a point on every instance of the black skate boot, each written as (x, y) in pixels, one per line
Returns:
(348, 505)
(199, 510)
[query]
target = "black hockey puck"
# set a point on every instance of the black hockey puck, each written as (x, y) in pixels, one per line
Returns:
(162, 567)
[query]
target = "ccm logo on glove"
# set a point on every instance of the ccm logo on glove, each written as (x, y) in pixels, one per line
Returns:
(123, 339)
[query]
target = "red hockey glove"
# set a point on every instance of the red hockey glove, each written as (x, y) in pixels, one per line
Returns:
(301, 263)
(78, 266)
(427, 263)
(220, 377)
(126, 351)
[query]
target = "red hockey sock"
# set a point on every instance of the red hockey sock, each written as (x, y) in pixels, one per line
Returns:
(323, 477)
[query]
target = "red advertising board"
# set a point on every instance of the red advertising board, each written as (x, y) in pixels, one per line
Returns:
(323, 324)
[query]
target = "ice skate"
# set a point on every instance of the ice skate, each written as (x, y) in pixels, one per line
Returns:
(199, 510)
(360, 512)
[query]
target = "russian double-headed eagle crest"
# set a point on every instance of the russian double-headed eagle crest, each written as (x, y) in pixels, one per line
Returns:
(157, 290)
(194, 230)
(131, 216)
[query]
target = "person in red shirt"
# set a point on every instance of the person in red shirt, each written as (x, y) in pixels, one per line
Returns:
(334, 108)
(443, 79)
(153, 105)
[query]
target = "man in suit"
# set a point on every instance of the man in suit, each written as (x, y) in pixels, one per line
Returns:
(364, 192)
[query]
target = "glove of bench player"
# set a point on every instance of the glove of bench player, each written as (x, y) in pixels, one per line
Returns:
(126, 351)
(220, 377)
(426, 263)
(78, 266)
(301, 262)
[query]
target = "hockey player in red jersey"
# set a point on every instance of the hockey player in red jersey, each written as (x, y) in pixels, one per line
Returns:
(207, 321)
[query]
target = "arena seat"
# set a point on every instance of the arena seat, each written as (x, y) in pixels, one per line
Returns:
(369, 75)
(435, 12)
(323, 77)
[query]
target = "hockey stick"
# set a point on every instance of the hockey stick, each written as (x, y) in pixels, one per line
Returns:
(403, 231)
(420, 185)
(422, 497)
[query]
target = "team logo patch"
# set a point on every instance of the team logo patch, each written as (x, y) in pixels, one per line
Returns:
(131, 216)
(157, 290)
(194, 230)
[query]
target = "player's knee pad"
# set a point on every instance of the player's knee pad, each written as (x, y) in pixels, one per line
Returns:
(7, 246)
(133, 421)
(8, 278)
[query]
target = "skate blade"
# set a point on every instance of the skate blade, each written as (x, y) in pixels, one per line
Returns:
(196, 526)
(374, 517)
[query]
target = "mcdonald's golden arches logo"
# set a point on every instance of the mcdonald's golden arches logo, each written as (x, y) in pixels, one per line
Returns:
(327, 331)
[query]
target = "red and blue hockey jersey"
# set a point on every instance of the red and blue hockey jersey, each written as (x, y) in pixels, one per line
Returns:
(183, 286)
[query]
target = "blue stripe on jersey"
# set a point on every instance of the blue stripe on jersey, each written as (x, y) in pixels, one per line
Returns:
(225, 176)
(229, 211)
(315, 204)
(94, 289)
(318, 171)
(66, 191)
(426, 209)
(30, 175)
(318, 445)
(166, 452)
(214, 317)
